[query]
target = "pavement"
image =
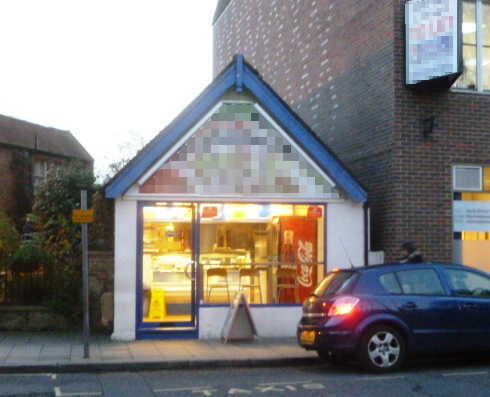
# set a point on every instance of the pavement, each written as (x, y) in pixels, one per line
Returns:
(22, 352)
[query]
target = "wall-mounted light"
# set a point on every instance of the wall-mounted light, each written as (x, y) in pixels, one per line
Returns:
(428, 125)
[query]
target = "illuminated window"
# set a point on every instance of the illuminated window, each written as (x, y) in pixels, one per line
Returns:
(486, 180)
(476, 46)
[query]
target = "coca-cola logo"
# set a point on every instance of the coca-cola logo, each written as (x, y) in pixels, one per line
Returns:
(305, 257)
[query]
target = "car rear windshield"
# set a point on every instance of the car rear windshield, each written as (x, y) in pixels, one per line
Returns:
(335, 283)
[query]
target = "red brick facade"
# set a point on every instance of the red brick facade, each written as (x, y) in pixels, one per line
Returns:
(7, 181)
(340, 65)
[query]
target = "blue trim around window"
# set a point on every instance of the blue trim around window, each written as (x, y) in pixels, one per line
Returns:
(153, 330)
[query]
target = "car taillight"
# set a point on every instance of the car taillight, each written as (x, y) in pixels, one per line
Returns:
(343, 306)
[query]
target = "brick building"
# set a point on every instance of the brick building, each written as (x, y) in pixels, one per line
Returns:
(27, 152)
(340, 64)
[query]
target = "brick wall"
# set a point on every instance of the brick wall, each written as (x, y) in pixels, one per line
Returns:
(332, 62)
(420, 202)
(340, 65)
(7, 182)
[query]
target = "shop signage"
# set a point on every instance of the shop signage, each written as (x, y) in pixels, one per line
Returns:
(471, 216)
(432, 40)
(82, 216)
(239, 324)
(314, 212)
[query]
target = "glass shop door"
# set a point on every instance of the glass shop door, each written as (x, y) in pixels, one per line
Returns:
(168, 271)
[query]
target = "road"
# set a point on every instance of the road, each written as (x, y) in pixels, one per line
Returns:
(455, 379)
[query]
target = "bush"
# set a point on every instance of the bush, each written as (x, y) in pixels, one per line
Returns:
(28, 258)
(9, 240)
(53, 205)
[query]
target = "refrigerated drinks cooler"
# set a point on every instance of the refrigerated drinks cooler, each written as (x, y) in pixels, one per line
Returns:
(298, 246)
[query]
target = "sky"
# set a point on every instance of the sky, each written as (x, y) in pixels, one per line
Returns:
(113, 72)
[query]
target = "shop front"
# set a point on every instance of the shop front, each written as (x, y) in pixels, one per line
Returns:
(236, 195)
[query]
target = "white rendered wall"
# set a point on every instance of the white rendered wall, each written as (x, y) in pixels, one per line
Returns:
(345, 228)
(125, 270)
(270, 322)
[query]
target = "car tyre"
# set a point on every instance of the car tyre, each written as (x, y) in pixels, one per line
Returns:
(382, 349)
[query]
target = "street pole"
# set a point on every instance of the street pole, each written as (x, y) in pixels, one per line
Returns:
(85, 270)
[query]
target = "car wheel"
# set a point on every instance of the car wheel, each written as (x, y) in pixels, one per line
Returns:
(382, 349)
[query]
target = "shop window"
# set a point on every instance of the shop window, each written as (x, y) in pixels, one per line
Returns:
(476, 46)
(486, 180)
(274, 253)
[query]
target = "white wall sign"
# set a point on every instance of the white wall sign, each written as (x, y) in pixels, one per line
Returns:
(471, 216)
(432, 39)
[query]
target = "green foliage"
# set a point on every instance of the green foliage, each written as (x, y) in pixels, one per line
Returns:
(29, 257)
(9, 240)
(53, 205)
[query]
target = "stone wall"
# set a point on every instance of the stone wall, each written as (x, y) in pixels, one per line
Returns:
(101, 282)
(40, 318)
(30, 318)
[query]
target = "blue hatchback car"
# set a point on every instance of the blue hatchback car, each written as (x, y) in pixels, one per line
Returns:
(380, 314)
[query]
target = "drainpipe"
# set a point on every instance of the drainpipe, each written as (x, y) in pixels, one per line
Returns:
(366, 233)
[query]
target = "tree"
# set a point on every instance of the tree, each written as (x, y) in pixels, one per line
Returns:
(53, 205)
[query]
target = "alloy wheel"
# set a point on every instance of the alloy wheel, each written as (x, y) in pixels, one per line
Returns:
(384, 349)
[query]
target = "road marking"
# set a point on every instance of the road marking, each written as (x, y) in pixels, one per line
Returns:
(49, 375)
(465, 373)
(183, 389)
(287, 383)
(379, 377)
(59, 393)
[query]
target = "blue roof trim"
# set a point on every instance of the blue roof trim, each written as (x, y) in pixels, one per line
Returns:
(122, 182)
(302, 134)
(240, 75)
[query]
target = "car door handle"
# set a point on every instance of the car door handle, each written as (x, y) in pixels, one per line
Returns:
(409, 306)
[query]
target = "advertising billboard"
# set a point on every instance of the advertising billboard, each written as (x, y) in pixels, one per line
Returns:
(432, 41)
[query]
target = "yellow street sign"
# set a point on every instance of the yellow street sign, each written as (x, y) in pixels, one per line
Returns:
(82, 216)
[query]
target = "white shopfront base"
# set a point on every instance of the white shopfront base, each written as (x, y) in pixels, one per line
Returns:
(270, 322)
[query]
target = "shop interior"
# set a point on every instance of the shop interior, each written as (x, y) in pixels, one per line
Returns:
(274, 253)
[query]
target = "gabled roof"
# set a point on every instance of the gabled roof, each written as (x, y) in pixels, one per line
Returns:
(22, 134)
(240, 76)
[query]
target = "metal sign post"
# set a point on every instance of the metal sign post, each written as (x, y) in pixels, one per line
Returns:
(86, 323)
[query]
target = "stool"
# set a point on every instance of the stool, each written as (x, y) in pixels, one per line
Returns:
(253, 281)
(217, 278)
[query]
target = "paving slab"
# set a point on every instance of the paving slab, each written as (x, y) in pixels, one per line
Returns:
(53, 353)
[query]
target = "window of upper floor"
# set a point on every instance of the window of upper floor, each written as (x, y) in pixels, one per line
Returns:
(475, 46)
(40, 172)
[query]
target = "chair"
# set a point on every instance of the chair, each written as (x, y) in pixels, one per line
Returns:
(249, 278)
(217, 278)
(286, 280)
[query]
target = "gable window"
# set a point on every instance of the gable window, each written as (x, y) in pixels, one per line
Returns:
(476, 46)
